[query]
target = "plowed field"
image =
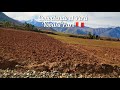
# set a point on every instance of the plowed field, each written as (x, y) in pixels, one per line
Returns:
(31, 50)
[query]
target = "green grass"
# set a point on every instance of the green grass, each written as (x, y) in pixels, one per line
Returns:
(89, 42)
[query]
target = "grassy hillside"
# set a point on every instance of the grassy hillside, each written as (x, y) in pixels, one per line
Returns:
(88, 42)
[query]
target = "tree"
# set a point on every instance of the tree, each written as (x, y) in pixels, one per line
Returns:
(93, 36)
(1, 24)
(7, 24)
(90, 35)
(97, 37)
(29, 26)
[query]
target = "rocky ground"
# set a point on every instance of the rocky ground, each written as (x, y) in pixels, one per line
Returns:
(53, 74)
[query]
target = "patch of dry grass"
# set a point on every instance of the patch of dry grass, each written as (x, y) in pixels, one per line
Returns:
(88, 42)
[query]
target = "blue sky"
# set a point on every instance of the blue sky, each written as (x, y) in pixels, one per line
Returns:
(95, 19)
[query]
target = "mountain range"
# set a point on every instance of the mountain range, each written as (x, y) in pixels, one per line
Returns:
(112, 32)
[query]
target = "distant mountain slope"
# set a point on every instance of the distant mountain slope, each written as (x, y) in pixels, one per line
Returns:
(113, 32)
(100, 31)
(104, 32)
(72, 30)
(39, 25)
(48, 29)
(35, 23)
(4, 17)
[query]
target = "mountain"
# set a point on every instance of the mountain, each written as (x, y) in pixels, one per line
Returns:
(35, 23)
(48, 29)
(40, 25)
(99, 31)
(72, 30)
(4, 17)
(113, 32)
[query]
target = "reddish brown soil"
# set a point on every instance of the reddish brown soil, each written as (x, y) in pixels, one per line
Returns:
(32, 50)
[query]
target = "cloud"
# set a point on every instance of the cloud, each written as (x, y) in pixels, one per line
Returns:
(20, 15)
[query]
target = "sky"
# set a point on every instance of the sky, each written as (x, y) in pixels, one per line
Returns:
(95, 19)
